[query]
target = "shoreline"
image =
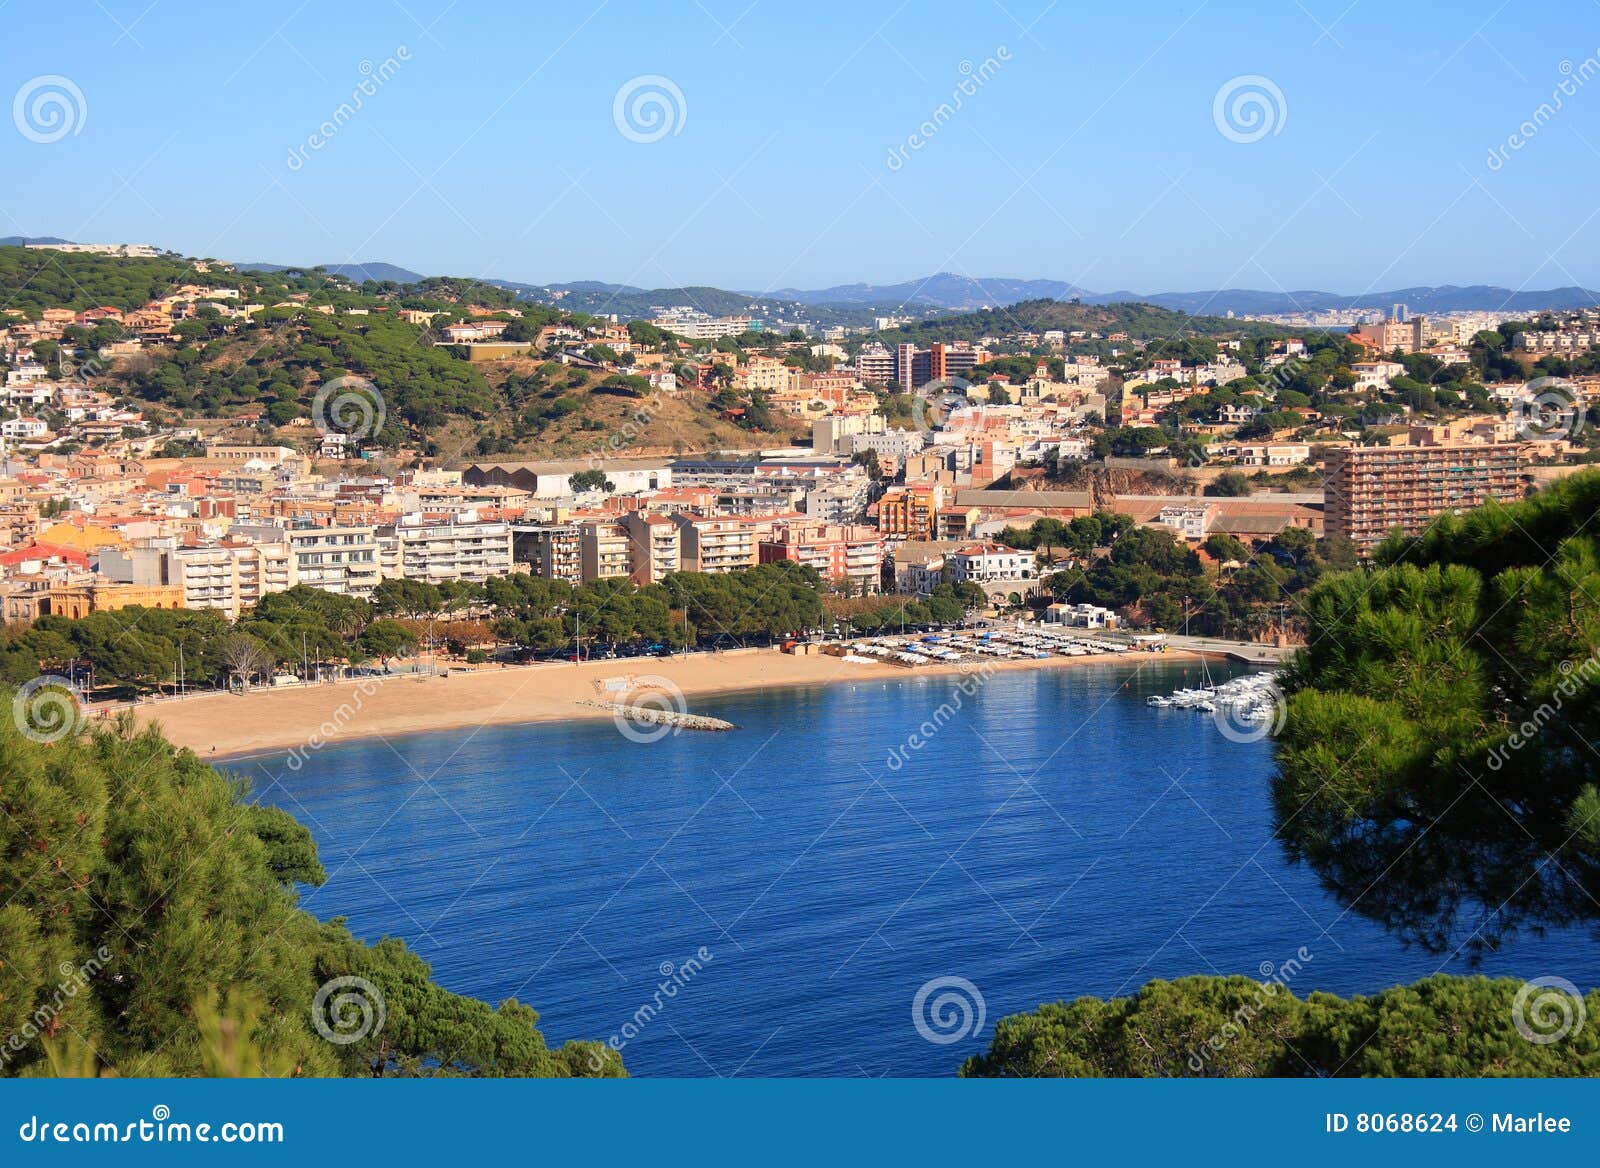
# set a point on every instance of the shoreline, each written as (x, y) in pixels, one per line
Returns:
(227, 727)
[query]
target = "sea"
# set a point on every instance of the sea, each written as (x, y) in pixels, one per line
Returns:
(858, 880)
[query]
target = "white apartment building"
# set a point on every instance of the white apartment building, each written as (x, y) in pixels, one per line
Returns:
(875, 365)
(833, 434)
(229, 577)
(1375, 374)
(700, 326)
(1279, 454)
(334, 559)
(439, 550)
(1192, 521)
(987, 563)
(843, 499)
(896, 444)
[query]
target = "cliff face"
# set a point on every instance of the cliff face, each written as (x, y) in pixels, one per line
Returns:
(1105, 483)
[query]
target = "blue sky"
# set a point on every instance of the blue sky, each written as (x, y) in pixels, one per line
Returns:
(1089, 152)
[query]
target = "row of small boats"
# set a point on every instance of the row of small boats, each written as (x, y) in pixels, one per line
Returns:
(1253, 697)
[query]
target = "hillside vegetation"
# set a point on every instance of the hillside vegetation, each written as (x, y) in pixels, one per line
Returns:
(1234, 1027)
(255, 377)
(150, 928)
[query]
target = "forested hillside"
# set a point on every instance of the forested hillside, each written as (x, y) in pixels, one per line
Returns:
(150, 928)
(1234, 1027)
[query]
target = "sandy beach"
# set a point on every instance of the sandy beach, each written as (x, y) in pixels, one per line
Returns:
(227, 725)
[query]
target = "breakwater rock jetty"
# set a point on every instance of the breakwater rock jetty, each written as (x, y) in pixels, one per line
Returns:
(654, 716)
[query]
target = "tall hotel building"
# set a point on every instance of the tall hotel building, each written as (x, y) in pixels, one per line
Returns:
(1373, 490)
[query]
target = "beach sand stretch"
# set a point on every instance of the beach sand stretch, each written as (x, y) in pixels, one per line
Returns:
(218, 725)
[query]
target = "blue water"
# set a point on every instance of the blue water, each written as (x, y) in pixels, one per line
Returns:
(1056, 837)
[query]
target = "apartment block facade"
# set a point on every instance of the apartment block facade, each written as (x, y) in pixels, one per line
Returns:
(604, 550)
(549, 549)
(445, 549)
(335, 559)
(228, 577)
(718, 544)
(843, 554)
(1373, 490)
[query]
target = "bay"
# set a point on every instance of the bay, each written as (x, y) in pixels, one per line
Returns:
(799, 881)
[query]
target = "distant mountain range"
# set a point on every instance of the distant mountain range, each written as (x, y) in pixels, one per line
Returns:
(951, 293)
(965, 293)
(947, 292)
(360, 273)
(944, 290)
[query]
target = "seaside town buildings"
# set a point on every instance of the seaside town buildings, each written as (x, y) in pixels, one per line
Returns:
(95, 514)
